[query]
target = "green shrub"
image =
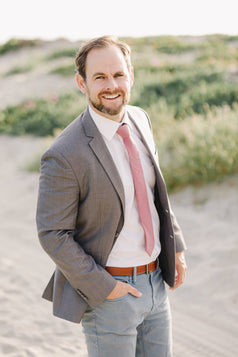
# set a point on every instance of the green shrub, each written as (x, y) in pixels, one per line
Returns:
(199, 150)
(162, 44)
(192, 105)
(64, 70)
(68, 52)
(218, 49)
(42, 116)
(19, 69)
(15, 44)
(186, 89)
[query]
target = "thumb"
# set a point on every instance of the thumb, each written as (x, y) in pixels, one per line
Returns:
(134, 291)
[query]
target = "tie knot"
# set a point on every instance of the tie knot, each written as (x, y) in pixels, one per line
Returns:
(124, 131)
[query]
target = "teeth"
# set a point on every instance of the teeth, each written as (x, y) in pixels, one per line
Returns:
(110, 96)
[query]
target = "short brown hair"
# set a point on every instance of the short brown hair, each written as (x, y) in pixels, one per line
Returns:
(100, 42)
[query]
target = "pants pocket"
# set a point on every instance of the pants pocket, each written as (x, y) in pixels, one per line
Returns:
(123, 279)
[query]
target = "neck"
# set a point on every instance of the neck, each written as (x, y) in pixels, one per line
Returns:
(117, 117)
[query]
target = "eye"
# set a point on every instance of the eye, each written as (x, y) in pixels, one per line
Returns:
(99, 77)
(119, 74)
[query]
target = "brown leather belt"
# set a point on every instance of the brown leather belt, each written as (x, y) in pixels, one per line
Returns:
(115, 271)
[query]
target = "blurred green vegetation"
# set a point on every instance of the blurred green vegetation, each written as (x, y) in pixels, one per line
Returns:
(64, 70)
(197, 149)
(186, 89)
(68, 52)
(161, 44)
(188, 86)
(16, 44)
(20, 69)
(41, 117)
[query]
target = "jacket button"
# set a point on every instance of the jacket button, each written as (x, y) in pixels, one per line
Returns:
(171, 236)
(116, 235)
(166, 210)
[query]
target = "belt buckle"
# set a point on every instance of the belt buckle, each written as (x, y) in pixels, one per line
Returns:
(147, 269)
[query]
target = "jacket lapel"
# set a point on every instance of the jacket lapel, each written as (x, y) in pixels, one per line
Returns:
(148, 141)
(101, 151)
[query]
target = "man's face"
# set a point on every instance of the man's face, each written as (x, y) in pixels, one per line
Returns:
(108, 82)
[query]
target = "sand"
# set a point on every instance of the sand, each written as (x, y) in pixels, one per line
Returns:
(205, 313)
(37, 82)
(205, 308)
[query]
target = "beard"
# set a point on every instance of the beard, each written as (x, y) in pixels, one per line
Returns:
(110, 109)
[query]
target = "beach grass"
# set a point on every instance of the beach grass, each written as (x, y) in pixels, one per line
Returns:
(188, 86)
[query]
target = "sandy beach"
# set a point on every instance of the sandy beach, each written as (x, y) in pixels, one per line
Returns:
(205, 308)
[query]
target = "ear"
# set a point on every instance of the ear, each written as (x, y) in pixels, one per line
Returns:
(132, 76)
(81, 83)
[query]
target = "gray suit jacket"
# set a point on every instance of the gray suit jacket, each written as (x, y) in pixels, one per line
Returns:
(80, 214)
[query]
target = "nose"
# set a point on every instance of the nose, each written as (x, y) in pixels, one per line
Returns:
(111, 83)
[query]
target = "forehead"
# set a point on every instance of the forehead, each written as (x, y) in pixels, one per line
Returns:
(103, 60)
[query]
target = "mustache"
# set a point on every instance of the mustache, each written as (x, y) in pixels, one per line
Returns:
(109, 92)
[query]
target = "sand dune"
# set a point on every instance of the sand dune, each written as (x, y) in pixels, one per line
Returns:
(205, 308)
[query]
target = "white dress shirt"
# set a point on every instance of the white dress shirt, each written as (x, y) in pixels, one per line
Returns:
(129, 249)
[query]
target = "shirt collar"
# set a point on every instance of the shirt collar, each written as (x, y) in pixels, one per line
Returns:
(108, 127)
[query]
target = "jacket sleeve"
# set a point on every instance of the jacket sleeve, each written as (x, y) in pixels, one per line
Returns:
(180, 244)
(57, 211)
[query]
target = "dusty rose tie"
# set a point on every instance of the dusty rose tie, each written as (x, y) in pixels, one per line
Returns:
(140, 187)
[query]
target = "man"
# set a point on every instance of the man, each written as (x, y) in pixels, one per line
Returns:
(104, 218)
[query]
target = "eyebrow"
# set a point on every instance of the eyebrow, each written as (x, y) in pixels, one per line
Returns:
(98, 74)
(104, 74)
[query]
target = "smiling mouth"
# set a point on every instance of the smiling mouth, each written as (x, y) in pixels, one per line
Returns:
(111, 96)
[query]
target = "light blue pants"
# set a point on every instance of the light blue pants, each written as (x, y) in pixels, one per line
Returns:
(131, 326)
